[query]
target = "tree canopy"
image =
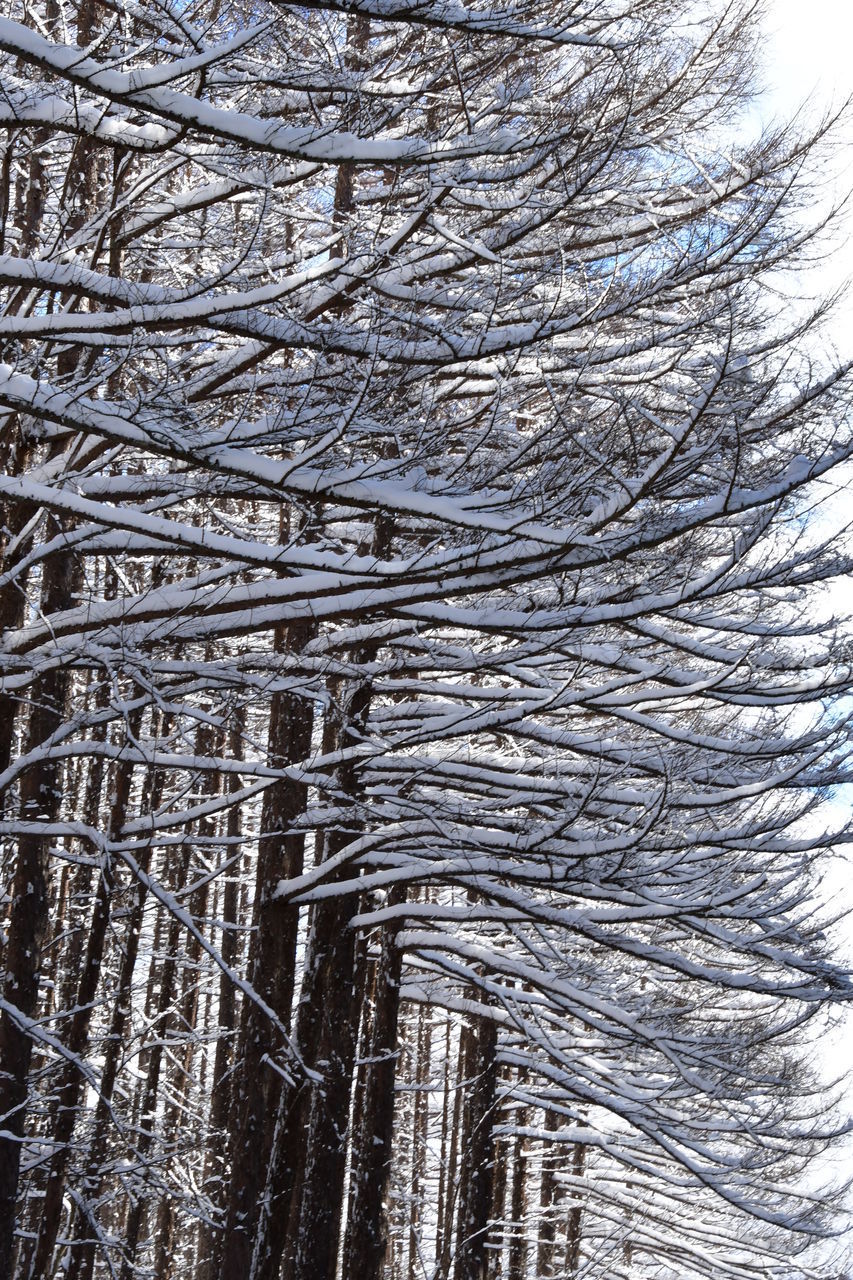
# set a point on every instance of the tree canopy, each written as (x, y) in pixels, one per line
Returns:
(417, 711)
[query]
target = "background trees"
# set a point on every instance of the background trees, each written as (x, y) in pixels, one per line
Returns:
(414, 726)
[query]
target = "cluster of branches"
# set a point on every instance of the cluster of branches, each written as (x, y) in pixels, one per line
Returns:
(414, 716)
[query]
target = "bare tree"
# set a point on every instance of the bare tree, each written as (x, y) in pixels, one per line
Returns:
(415, 721)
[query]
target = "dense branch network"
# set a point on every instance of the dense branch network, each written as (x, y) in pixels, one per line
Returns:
(415, 718)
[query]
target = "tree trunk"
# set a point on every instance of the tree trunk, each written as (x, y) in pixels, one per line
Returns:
(420, 1123)
(330, 1007)
(517, 1261)
(366, 1237)
(476, 1178)
(499, 1191)
(150, 1093)
(40, 802)
(82, 1256)
(304, 1190)
(174, 1122)
(272, 964)
(72, 1081)
(220, 1091)
(574, 1233)
(547, 1197)
(452, 1089)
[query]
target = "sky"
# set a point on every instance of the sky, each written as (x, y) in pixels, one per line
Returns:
(808, 61)
(807, 65)
(809, 47)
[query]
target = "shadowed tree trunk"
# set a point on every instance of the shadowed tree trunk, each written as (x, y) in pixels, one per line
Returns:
(517, 1259)
(329, 1003)
(499, 1194)
(182, 1058)
(299, 1226)
(326, 1034)
(71, 1080)
(220, 1090)
(574, 1222)
(547, 1199)
(476, 1174)
(13, 519)
(40, 799)
(420, 1120)
(445, 1138)
(300, 1222)
(272, 961)
(454, 1111)
(366, 1237)
(80, 890)
(149, 1096)
(83, 1249)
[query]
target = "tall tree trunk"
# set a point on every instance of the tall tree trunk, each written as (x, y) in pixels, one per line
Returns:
(517, 1259)
(71, 1081)
(82, 1254)
(256, 1232)
(174, 1122)
(80, 890)
(420, 1124)
(547, 1196)
(13, 519)
(447, 1205)
(329, 1006)
(304, 1189)
(272, 968)
(498, 1212)
(300, 1223)
(574, 1222)
(329, 1025)
(220, 1091)
(366, 1237)
(41, 797)
(163, 1018)
(175, 1119)
(477, 1171)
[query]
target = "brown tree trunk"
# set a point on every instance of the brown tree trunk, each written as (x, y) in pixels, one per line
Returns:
(71, 1082)
(574, 1232)
(40, 802)
(299, 1227)
(300, 1223)
(308, 1148)
(178, 1093)
(330, 1005)
(517, 1260)
(476, 1177)
(76, 922)
(220, 1092)
(547, 1198)
(498, 1212)
(272, 966)
(420, 1123)
(13, 518)
(82, 1255)
(447, 1204)
(147, 1123)
(181, 1074)
(366, 1237)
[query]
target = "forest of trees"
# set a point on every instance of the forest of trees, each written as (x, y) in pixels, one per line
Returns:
(419, 700)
